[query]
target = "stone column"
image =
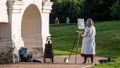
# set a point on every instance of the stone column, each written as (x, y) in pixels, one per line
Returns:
(15, 15)
(45, 20)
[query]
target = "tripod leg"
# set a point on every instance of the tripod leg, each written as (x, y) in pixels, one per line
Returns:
(72, 47)
(77, 48)
(72, 50)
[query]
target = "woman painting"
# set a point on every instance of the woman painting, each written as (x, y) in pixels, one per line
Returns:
(88, 43)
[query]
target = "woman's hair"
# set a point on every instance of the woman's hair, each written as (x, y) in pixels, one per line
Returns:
(89, 22)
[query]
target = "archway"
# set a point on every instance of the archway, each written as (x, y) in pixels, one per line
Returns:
(31, 28)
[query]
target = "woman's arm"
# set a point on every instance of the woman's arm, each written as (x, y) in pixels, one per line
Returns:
(85, 33)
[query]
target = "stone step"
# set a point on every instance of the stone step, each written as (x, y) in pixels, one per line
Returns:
(36, 51)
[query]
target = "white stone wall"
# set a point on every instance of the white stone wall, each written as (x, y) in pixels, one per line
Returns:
(12, 14)
(3, 11)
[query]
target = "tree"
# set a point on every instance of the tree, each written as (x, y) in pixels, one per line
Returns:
(115, 10)
(97, 9)
(65, 8)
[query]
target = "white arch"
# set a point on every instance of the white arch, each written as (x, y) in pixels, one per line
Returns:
(15, 13)
(31, 27)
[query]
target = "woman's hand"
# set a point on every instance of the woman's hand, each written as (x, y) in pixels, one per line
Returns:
(82, 35)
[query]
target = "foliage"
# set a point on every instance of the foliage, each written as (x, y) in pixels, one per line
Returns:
(65, 8)
(97, 9)
(115, 10)
(6, 58)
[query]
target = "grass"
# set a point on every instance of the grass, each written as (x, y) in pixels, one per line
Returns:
(109, 65)
(63, 37)
(107, 40)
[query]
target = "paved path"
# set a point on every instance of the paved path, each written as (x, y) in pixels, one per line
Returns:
(58, 63)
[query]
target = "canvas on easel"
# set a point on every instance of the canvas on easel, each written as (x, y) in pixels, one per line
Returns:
(81, 24)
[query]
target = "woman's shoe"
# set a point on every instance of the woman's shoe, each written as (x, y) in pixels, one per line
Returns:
(92, 63)
(84, 63)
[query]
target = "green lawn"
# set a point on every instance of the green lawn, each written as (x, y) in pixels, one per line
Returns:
(107, 40)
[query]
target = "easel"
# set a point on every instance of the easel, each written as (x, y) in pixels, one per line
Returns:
(80, 31)
(76, 43)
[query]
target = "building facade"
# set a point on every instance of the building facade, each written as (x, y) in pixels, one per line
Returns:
(24, 23)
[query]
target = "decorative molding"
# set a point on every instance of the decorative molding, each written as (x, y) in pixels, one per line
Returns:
(47, 6)
(15, 6)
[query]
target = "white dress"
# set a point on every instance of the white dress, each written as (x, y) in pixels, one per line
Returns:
(88, 42)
